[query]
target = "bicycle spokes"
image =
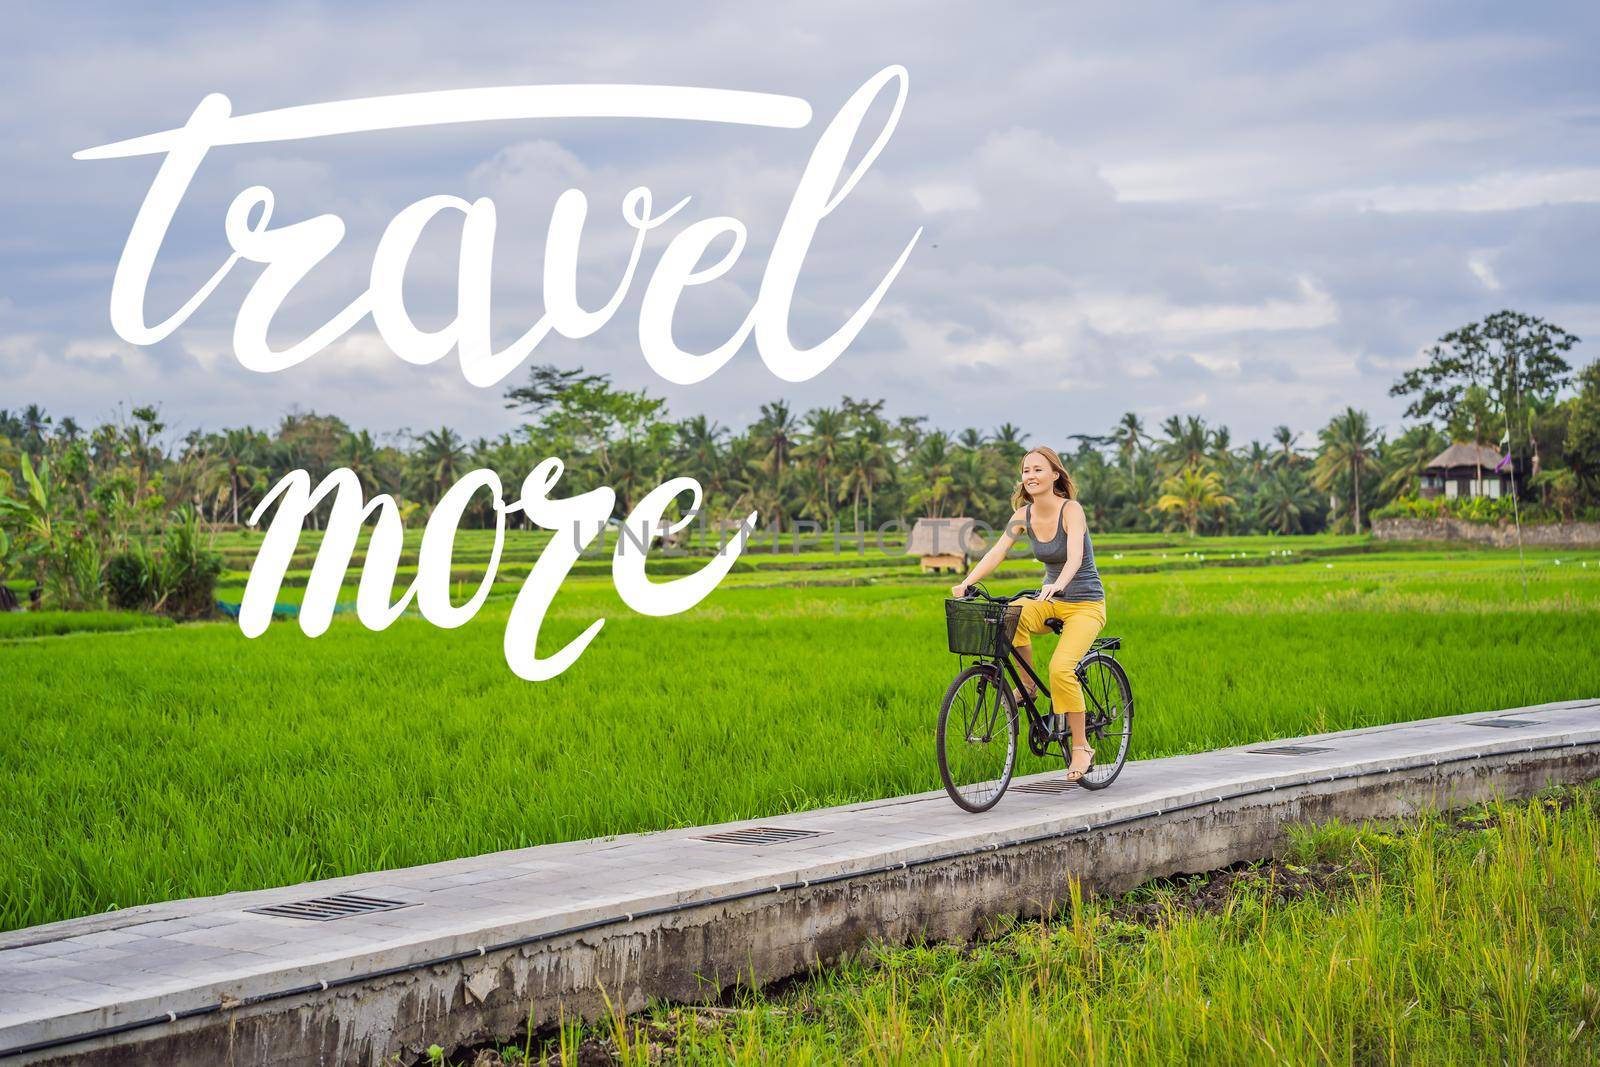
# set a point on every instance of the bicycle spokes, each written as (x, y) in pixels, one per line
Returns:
(979, 725)
(977, 740)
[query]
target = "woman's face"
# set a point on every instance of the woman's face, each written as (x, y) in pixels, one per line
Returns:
(1037, 476)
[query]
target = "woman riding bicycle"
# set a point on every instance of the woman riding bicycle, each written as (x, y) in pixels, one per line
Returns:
(1048, 513)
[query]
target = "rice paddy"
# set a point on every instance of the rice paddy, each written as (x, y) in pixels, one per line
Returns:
(156, 763)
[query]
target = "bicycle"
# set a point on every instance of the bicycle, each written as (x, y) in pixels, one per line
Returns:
(977, 739)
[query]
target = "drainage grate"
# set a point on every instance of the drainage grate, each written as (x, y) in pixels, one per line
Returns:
(321, 909)
(1506, 724)
(1288, 750)
(1048, 787)
(761, 835)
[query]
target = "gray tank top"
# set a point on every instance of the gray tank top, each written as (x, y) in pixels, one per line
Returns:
(1085, 584)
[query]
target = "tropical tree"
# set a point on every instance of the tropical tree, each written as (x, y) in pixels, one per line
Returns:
(1009, 443)
(439, 459)
(1407, 456)
(825, 430)
(774, 434)
(1283, 502)
(1130, 439)
(1192, 493)
(1288, 452)
(1349, 448)
(862, 466)
(1188, 443)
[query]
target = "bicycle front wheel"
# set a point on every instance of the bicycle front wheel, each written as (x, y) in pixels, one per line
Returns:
(977, 738)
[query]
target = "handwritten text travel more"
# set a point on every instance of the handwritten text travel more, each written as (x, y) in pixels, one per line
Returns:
(287, 253)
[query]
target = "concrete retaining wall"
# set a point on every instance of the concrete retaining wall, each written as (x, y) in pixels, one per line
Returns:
(1551, 534)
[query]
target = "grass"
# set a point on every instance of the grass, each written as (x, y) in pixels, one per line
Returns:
(1441, 940)
(24, 624)
(188, 761)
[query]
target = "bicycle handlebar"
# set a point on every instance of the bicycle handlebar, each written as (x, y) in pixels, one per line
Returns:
(976, 591)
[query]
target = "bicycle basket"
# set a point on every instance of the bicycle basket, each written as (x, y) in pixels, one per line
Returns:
(976, 626)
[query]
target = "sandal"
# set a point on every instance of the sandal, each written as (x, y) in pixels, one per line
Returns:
(1016, 694)
(1075, 775)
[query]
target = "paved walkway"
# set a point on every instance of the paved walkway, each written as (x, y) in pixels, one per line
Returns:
(186, 957)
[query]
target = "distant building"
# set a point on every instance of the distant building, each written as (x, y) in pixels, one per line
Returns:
(945, 544)
(1465, 470)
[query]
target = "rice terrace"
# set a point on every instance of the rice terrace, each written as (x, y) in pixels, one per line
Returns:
(169, 764)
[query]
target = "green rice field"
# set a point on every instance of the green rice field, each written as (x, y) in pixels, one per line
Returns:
(155, 763)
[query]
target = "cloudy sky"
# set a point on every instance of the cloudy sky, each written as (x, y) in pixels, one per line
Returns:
(1257, 213)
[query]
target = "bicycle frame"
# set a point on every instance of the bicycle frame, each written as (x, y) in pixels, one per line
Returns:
(1008, 660)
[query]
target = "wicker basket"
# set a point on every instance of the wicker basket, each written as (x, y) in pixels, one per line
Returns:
(976, 626)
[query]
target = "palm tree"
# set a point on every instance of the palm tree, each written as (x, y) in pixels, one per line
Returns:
(1133, 493)
(439, 456)
(970, 483)
(774, 434)
(1407, 457)
(1010, 443)
(909, 432)
(1255, 461)
(1130, 438)
(1188, 442)
(862, 467)
(1348, 449)
(1222, 449)
(34, 424)
(237, 450)
(825, 429)
(1191, 493)
(1285, 438)
(698, 443)
(1282, 502)
(360, 454)
(932, 475)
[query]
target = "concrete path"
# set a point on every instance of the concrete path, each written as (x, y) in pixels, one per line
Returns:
(202, 979)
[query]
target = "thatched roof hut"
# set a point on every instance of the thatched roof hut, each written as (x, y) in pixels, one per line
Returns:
(1466, 469)
(947, 543)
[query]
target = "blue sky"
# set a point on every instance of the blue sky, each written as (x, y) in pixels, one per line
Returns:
(1258, 213)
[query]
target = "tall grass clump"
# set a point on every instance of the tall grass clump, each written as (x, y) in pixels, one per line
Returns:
(1435, 941)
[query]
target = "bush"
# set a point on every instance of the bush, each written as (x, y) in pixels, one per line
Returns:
(178, 579)
(1471, 509)
(191, 568)
(131, 579)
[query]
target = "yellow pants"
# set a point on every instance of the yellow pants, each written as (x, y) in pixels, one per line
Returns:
(1081, 623)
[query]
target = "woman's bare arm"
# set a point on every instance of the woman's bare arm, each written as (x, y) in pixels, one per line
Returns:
(994, 557)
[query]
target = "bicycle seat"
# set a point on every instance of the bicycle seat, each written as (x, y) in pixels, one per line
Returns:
(1053, 625)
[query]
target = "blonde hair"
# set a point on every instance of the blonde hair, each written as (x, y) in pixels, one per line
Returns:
(1062, 486)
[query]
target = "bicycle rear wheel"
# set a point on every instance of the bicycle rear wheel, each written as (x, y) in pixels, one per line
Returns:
(977, 738)
(1108, 717)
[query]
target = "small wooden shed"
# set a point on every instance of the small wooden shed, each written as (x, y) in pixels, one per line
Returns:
(945, 544)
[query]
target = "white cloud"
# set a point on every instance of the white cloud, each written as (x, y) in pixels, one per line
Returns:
(1504, 191)
(935, 197)
(1478, 263)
